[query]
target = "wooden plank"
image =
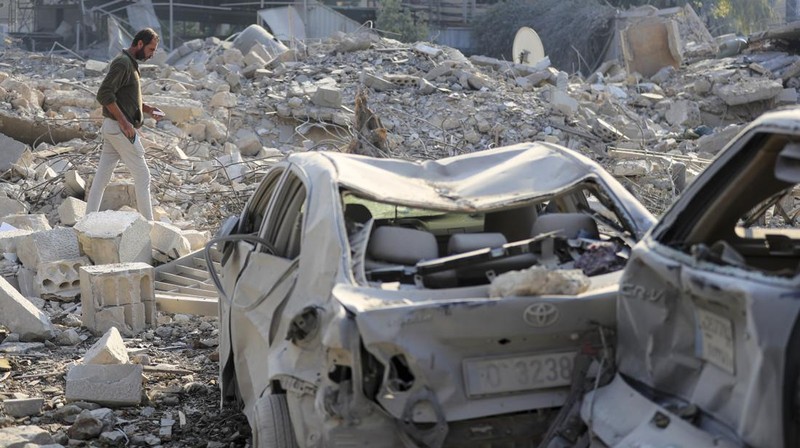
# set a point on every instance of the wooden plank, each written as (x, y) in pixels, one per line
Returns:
(171, 303)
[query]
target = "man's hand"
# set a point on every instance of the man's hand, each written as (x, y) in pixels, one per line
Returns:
(127, 129)
(154, 112)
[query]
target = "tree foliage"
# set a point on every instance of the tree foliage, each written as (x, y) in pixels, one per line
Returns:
(722, 16)
(400, 23)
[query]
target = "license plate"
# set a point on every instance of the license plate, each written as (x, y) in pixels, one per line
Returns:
(486, 376)
(715, 340)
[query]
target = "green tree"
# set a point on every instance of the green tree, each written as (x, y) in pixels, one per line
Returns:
(400, 23)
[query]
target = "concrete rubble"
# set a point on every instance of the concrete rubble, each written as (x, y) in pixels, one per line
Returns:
(82, 286)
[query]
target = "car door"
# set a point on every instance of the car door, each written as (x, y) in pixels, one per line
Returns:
(709, 302)
(264, 284)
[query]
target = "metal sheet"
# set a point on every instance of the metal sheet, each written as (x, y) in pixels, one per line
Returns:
(285, 23)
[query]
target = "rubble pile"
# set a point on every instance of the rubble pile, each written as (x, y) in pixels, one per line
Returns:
(232, 109)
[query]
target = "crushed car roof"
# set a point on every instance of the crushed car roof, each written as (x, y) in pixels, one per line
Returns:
(480, 180)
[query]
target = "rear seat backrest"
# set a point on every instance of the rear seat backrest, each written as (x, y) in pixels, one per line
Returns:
(569, 225)
(466, 242)
(515, 224)
(402, 245)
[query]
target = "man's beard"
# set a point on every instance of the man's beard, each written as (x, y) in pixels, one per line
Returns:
(139, 55)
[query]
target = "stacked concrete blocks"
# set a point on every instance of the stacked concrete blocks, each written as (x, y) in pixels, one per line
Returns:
(118, 295)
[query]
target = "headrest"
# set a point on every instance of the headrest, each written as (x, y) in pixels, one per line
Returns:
(466, 242)
(402, 245)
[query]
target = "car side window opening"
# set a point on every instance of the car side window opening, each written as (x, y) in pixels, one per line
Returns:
(282, 227)
(437, 249)
(754, 228)
(257, 207)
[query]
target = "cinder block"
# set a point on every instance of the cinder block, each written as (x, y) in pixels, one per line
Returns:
(59, 279)
(110, 349)
(115, 237)
(109, 385)
(71, 211)
(120, 295)
(35, 222)
(60, 243)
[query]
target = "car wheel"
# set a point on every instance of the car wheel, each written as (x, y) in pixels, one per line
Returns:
(273, 425)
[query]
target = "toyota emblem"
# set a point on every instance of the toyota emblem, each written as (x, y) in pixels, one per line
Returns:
(540, 315)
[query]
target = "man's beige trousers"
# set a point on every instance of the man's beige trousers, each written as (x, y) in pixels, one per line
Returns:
(116, 146)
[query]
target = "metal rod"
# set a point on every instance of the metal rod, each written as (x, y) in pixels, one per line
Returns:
(171, 28)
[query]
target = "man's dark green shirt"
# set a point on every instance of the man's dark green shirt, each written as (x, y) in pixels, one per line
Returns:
(121, 85)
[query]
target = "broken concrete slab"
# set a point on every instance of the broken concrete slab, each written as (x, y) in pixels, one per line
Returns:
(19, 315)
(115, 237)
(168, 242)
(749, 90)
(10, 206)
(60, 243)
(24, 436)
(10, 238)
(110, 349)
(118, 194)
(109, 385)
(23, 407)
(12, 150)
(327, 97)
(74, 185)
(177, 110)
(35, 222)
(651, 44)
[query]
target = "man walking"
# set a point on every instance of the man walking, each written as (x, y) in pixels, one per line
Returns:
(120, 94)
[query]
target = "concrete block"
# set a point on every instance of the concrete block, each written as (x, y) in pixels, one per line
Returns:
(121, 295)
(12, 150)
(327, 97)
(254, 58)
(94, 67)
(177, 110)
(563, 103)
(223, 99)
(117, 195)
(35, 222)
(71, 211)
(9, 206)
(787, 96)
(168, 240)
(59, 279)
(115, 237)
(60, 243)
(109, 385)
(248, 142)
(749, 90)
(110, 349)
(24, 436)
(683, 113)
(20, 316)
(23, 407)
(376, 83)
(197, 239)
(74, 185)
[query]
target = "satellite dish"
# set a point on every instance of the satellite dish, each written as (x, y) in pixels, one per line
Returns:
(527, 48)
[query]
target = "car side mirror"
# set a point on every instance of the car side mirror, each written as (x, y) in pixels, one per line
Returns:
(787, 166)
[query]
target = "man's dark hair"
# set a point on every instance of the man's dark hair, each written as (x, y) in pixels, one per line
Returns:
(146, 36)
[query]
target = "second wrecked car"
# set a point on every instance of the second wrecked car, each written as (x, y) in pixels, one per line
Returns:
(392, 303)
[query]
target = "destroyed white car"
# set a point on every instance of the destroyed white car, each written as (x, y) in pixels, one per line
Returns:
(379, 302)
(708, 347)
